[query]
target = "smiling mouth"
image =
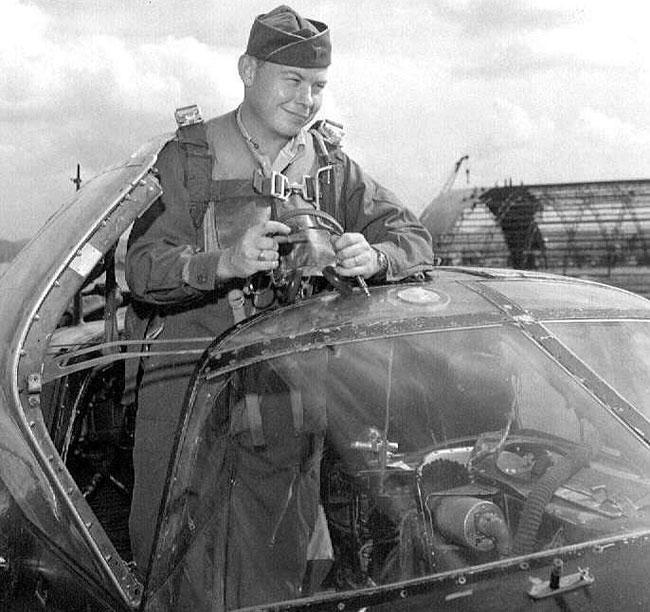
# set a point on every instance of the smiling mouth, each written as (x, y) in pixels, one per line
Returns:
(300, 116)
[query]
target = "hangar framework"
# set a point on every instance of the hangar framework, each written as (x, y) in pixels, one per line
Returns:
(598, 230)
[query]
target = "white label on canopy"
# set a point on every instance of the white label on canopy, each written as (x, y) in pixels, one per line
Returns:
(85, 260)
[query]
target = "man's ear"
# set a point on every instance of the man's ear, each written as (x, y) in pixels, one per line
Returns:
(247, 67)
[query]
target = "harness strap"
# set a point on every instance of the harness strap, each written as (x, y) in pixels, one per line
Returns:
(110, 305)
(297, 410)
(197, 173)
(254, 415)
(328, 152)
(210, 238)
(278, 186)
(197, 169)
(204, 193)
(231, 188)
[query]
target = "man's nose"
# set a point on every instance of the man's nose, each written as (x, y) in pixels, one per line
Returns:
(305, 96)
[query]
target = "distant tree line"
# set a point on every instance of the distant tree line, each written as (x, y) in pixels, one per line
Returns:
(9, 249)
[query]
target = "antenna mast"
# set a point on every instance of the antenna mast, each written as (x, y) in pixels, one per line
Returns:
(77, 179)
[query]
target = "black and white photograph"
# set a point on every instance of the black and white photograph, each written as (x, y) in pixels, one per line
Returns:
(324, 305)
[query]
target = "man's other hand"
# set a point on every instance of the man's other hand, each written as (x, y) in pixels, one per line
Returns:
(255, 251)
(354, 256)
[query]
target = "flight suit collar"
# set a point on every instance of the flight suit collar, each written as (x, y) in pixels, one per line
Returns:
(291, 151)
(294, 149)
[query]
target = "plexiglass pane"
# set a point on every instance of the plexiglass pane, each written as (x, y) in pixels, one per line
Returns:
(430, 448)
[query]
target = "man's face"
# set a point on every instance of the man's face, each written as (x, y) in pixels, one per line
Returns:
(285, 98)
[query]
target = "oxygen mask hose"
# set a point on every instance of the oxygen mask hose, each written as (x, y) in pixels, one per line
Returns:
(542, 493)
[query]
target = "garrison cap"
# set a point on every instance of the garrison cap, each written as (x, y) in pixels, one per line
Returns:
(284, 37)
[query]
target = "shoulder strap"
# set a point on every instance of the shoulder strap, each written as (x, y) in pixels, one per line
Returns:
(197, 168)
(327, 142)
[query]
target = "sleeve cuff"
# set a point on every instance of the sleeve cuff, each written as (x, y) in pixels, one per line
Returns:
(200, 270)
(391, 253)
(382, 261)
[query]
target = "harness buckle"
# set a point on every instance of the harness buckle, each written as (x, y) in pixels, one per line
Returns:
(307, 189)
(317, 178)
(188, 115)
(331, 131)
(280, 187)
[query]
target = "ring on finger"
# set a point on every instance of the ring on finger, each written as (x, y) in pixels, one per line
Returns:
(261, 255)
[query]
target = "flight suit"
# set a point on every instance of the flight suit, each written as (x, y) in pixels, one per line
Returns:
(170, 268)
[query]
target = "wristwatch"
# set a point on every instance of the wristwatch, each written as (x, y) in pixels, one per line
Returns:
(382, 264)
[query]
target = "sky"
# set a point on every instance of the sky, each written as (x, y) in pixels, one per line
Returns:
(533, 91)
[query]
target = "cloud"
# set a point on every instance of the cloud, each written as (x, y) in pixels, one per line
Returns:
(513, 39)
(91, 99)
(487, 18)
(21, 28)
(510, 61)
(608, 34)
(610, 129)
(139, 21)
(540, 90)
(105, 72)
(515, 125)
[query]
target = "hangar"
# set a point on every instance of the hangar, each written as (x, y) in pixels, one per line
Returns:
(596, 230)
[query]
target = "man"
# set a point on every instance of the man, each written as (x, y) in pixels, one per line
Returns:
(206, 236)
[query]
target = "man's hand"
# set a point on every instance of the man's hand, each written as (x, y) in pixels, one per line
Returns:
(256, 251)
(354, 256)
